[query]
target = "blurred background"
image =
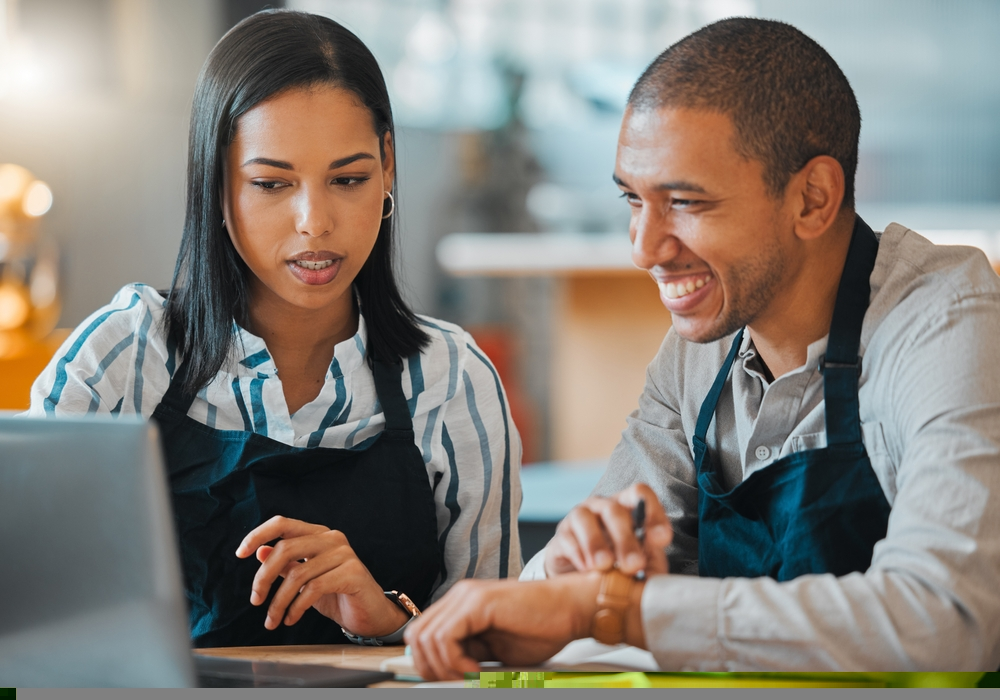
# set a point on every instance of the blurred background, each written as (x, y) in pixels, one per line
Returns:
(507, 114)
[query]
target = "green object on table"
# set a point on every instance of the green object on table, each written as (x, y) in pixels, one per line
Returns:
(546, 679)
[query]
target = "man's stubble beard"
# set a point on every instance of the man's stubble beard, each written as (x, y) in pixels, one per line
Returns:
(751, 288)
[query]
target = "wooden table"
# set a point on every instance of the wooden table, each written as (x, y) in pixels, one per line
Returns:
(338, 655)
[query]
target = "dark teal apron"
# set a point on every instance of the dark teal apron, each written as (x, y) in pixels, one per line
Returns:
(812, 512)
(224, 483)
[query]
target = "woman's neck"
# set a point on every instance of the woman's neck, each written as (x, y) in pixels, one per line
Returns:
(301, 342)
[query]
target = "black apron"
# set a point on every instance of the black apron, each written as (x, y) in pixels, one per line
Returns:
(811, 512)
(224, 483)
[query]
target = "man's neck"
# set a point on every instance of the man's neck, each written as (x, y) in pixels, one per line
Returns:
(801, 313)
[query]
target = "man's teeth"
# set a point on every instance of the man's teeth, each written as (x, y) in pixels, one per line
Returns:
(311, 265)
(677, 290)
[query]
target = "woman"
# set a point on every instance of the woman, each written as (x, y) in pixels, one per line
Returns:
(309, 419)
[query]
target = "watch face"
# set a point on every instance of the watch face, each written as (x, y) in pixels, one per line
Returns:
(403, 601)
(608, 627)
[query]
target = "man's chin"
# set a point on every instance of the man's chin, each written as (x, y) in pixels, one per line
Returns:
(700, 331)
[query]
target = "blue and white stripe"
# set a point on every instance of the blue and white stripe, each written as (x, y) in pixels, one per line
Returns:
(118, 361)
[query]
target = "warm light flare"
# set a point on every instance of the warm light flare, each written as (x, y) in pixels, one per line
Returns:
(37, 199)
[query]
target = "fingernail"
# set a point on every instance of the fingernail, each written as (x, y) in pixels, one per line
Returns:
(634, 561)
(603, 560)
(269, 623)
(254, 598)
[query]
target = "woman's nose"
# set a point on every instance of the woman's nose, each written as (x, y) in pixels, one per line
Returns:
(313, 212)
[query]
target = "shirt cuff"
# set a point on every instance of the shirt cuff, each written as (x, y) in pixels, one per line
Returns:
(534, 570)
(680, 621)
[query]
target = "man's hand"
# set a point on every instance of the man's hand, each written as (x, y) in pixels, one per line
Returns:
(320, 569)
(518, 623)
(598, 534)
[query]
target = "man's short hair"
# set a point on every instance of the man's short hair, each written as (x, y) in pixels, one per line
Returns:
(788, 99)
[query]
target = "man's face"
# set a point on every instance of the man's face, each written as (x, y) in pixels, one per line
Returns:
(703, 222)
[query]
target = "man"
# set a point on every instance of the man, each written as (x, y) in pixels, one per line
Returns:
(818, 441)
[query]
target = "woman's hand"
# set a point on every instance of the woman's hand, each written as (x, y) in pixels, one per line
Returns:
(321, 570)
(597, 535)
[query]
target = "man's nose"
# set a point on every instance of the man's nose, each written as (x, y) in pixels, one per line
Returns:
(653, 239)
(314, 215)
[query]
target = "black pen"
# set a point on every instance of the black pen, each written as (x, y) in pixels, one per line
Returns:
(639, 528)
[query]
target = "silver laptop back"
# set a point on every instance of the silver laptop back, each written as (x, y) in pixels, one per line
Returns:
(90, 584)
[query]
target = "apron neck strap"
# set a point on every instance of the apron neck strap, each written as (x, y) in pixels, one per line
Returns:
(841, 366)
(389, 386)
(707, 411)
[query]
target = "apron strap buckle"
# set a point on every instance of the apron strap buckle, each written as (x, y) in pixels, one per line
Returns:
(824, 365)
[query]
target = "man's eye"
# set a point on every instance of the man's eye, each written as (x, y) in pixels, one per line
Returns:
(682, 203)
(632, 199)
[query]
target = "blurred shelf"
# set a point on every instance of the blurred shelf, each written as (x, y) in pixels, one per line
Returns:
(552, 489)
(516, 254)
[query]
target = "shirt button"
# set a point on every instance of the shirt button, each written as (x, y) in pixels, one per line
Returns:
(762, 452)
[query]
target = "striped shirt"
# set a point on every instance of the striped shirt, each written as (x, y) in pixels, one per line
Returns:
(118, 361)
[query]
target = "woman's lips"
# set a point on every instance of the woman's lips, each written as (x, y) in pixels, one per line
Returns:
(315, 271)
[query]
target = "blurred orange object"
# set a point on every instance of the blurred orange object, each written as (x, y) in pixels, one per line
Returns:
(498, 344)
(17, 373)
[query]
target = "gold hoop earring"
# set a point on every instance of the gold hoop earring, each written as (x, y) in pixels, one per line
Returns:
(392, 205)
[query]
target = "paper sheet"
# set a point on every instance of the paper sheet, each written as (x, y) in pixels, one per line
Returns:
(580, 655)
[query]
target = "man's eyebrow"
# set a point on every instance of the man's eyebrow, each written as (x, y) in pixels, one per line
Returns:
(284, 165)
(681, 185)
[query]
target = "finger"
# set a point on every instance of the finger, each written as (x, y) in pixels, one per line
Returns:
(616, 520)
(263, 552)
(591, 535)
(301, 578)
(563, 553)
(437, 637)
(425, 658)
(659, 533)
(272, 529)
(281, 560)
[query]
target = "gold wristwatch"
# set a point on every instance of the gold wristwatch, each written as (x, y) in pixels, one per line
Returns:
(407, 606)
(613, 602)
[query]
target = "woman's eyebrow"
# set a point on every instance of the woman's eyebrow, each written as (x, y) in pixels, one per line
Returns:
(284, 165)
(350, 159)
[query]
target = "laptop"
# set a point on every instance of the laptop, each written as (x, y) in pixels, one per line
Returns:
(91, 591)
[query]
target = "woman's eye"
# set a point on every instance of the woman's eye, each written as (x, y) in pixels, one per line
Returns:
(268, 185)
(350, 182)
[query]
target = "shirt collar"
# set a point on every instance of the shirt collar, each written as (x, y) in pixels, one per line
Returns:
(250, 354)
(750, 362)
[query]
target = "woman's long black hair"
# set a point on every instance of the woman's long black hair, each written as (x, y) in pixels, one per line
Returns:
(264, 54)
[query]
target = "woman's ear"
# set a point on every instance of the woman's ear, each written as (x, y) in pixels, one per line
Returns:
(388, 162)
(818, 191)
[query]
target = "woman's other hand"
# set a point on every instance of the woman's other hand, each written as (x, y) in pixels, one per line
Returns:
(320, 569)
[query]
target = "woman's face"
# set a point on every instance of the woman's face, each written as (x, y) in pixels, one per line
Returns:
(303, 194)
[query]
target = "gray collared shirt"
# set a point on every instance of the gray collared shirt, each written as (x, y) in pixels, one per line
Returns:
(930, 411)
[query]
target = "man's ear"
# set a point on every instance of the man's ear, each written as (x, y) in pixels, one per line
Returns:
(817, 192)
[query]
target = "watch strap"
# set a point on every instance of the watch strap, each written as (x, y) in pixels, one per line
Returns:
(613, 600)
(406, 605)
